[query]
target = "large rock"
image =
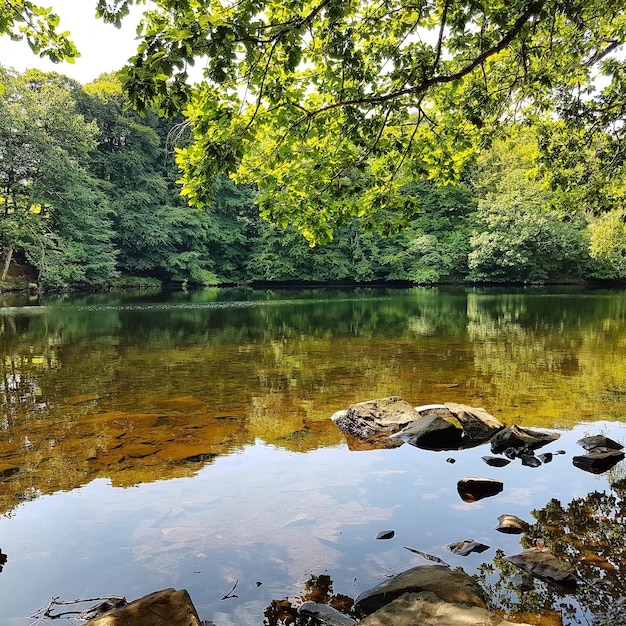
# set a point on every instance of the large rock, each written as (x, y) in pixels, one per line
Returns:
(431, 432)
(477, 424)
(161, 608)
(599, 460)
(593, 442)
(542, 563)
(448, 585)
(522, 440)
(512, 525)
(426, 609)
(375, 419)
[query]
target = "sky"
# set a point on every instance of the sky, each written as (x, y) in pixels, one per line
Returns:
(103, 47)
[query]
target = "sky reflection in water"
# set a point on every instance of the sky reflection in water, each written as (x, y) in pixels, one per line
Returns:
(262, 511)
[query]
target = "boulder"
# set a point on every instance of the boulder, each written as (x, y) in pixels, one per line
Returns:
(599, 441)
(431, 432)
(522, 440)
(426, 609)
(375, 419)
(512, 525)
(598, 460)
(472, 489)
(448, 585)
(325, 615)
(477, 424)
(542, 563)
(161, 608)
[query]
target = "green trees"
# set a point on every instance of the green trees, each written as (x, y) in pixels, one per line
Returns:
(332, 107)
(52, 210)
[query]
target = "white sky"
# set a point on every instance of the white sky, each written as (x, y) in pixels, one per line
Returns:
(103, 47)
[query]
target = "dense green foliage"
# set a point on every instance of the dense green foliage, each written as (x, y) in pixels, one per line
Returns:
(88, 196)
(330, 108)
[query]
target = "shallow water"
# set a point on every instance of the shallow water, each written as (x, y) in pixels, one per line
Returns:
(150, 441)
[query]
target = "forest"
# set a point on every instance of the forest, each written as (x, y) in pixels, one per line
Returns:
(89, 198)
(328, 142)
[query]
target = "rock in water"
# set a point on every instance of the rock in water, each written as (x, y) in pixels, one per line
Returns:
(520, 439)
(478, 425)
(463, 548)
(168, 606)
(325, 615)
(425, 608)
(495, 461)
(512, 525)
(448, 585)
(431, 432)
(472, 489)
(542, 563)
(599, 441)
(374, 419)
(599, 460)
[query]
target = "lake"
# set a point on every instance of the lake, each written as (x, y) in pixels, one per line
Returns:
(154, 440)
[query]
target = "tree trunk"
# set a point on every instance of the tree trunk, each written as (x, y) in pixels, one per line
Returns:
(7, 262)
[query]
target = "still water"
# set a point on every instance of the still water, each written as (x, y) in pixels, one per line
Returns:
(183, 440)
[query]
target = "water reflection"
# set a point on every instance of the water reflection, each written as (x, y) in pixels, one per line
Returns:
(213, 406)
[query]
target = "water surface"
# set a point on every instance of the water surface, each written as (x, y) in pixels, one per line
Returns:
(149, 441)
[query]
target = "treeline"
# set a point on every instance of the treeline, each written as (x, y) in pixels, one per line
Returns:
(88, 196)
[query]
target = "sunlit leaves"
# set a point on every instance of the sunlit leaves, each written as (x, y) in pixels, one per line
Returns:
(331, 107)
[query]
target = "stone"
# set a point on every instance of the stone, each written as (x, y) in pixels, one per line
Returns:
(431, 432)
(375, 418)
(325, 615)
(495, 461)
(546, 457)
(466, 547)
(530, 460)
(386, 534)
(472, 489)
(167, 607)
(447, 584)
(426, 609)
(511, 525)
(520, 439)
(477, 424)
(599, 441)
(599, 460)
(542, 563)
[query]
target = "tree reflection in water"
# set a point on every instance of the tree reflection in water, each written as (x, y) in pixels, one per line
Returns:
(317, 589)
(590, 534)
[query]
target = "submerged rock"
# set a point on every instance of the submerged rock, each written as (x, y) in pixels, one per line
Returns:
(448, 585)
(472, 489)
(168, 606)
(375, 419)
(325, 615)
(542, 563)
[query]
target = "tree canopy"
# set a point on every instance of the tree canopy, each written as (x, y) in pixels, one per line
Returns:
(330, 107)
